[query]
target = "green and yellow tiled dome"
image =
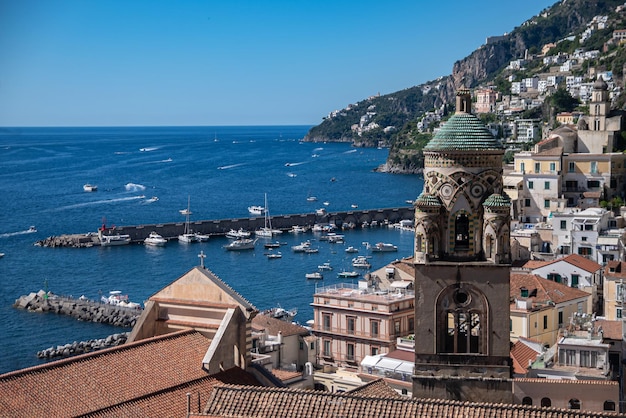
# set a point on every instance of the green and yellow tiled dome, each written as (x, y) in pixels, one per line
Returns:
(463, 132)
(498, 200)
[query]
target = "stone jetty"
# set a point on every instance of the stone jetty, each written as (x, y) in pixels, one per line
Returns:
(72, 240)
(81, 309)
(82, 347)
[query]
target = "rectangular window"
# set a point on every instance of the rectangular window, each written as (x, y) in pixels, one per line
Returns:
(560, 319)
(546, 203)
(575, 278)
(312, 347)
(618, 313)
(301, 345)
(522, 167)
(579, 308)
(545, 322)
(552, 167)
(375, 325)
(594, 167)
(374, 351)
(326, 351)
(396, 327)
(531, 184)
(585, 358)
(546, 185)
(588, 227)
(619, 292)
(411, 324)
(350, 324)
(563, 225)
(584, 251)
(527, 203)
(350, 352)
(326, 322)
(571, 167)
(537, 167)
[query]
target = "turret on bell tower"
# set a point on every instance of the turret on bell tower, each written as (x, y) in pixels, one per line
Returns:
(462, 259)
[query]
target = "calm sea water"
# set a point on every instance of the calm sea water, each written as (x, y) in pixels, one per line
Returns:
(222, 170)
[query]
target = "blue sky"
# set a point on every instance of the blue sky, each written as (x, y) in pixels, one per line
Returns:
(229, 62)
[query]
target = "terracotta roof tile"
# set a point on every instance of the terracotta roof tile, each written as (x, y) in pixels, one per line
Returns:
(285, 375)
(273, 326)
(521, 354)
(543, 290)
(578, 261)
(611, 330)
(375, 389)
(104, 378)
(254, 402)
(615, 269)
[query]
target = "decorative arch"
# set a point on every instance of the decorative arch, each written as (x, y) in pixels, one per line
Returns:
(527, 400)
(546, 402)
(609, 406)
(462, 313)
(574, 403)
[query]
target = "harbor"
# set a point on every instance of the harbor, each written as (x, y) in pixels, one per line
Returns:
(138, 233)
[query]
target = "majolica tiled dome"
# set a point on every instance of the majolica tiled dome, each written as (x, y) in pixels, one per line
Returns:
(497, 200)
(600, 84)
(427, 200)
(463, 132)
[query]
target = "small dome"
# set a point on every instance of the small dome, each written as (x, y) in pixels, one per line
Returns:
(600, 84)
(427, 200)
(497, 200)
(463, 132)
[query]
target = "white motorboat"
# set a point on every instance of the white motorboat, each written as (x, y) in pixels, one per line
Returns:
(116, 298)
(241, 244)
(281, 313)
(237, 234)
(113, 240)
(361, 262)
(325, 266)
(1, 255)
(201, 237)
(351, 249)
(302, 247)
(297, 229)
(311, 199)
(274, 255)
(256, 210)
(90, 187)
(354, 206)
(187, 236)
(383, 247)
(155, 240)
(314, 276)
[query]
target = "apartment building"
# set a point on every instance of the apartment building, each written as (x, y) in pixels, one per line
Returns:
(353, 321)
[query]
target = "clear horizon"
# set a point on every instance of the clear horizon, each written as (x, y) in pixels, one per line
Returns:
(75, 63)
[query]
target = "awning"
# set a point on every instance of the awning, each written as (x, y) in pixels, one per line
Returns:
(608, 240)
(401, 284)
(369, 361)
(405, 367)
(388, 363)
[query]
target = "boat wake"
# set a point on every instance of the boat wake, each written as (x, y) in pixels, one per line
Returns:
(318, 149)
(100, 202)
(24, 232)
(148, 149)
(226, 167)
(294, 164)
(350, 152)
(132, 187)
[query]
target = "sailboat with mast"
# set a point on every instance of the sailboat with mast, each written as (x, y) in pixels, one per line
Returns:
(187, 236)
(266, 231)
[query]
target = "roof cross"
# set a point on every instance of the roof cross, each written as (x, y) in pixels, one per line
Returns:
(202, 256)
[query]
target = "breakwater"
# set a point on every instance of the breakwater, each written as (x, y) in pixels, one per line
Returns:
(81, 347)
(81, 309)
(137, 233)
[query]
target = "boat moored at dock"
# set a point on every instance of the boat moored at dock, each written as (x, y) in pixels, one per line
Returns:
(155, 240)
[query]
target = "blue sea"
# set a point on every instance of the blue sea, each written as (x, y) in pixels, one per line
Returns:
(221, 170)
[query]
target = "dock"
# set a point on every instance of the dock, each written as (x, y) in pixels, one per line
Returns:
(220, 227)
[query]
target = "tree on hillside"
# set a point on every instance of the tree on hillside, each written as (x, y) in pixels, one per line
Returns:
(562, 101)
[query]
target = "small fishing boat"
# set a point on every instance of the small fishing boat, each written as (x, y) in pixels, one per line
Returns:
(348, 274)
(281, 313)
(237, 234)
(351, 249)
(383, 247)
(90, 187)
(201, 237)
(325, 266)
(272, 245)
(274, 255)
(361, 262)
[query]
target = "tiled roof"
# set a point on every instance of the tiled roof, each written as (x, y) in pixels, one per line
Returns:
(375, 389)
(91, 382)
(611, 330)
(273, 326)
(569, 381)
(497, 200)
(546, 290)
(427, 200)
(615, 269)
(578, 261)
(534, 264)
(521, 353)
(552, 152)
(463, 132)
(285, 375)
(173, 402)
(254, 402)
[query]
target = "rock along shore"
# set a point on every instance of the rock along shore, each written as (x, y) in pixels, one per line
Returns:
(82, 347)
(83, 310)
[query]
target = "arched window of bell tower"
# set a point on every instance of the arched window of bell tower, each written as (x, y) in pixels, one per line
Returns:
(461, 232)
(461, 324)
(489, 246)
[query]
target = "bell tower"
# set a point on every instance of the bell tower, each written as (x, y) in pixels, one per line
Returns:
(462, 259)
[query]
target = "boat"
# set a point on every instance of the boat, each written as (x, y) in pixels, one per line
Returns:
(314, 276)
(383, 247)
(113, 240)
(348, 274)
(326, 203)
(354, 206)
(281, 313)
(302, 247)
(32, 229)
(266, 231)
(274, 255)
(241, 244)
(361, 262)
(325, 266)
(311, 250)
(1, 255)
(256, 210)
(116, 298)
(271, 245)
(152, 199)
(351, 249)
(237, 234)
(90, 187)
(201, 237)
(155, 240)
(297, 229)
(311, 199)
(187, 236)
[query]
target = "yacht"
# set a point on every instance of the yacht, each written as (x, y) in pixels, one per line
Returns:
(155, 240)
(113, 240)
(241, 244)
(90, 187)
(256, 210)
(383, 247)
(237, 234)
(314, 276)
(361, 262)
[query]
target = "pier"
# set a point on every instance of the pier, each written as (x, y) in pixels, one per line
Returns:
(220, 227)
